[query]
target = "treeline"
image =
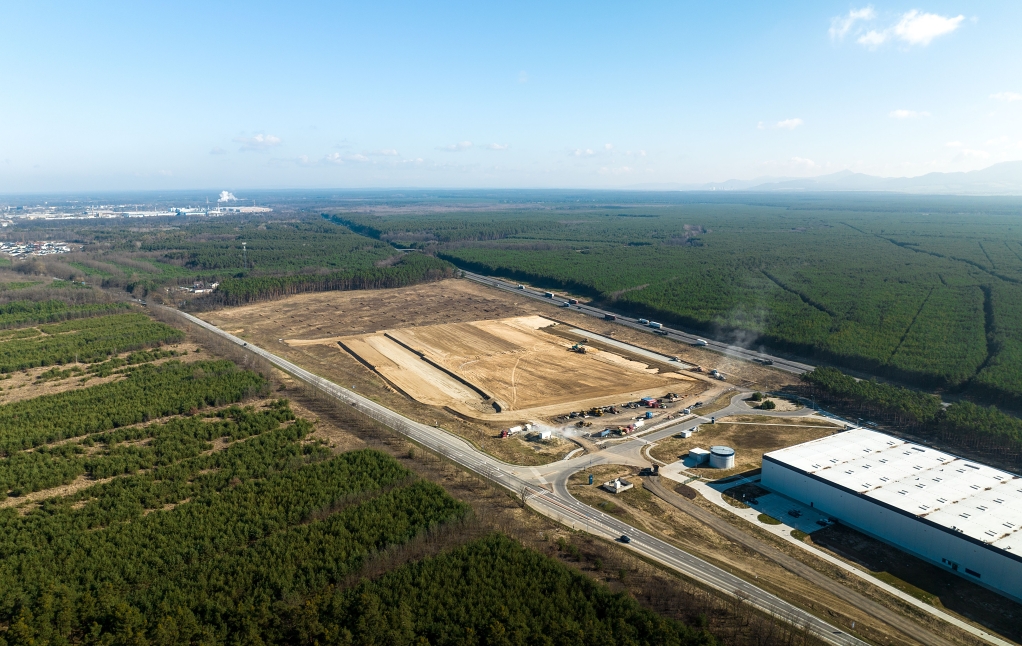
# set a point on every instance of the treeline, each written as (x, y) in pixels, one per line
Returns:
(937, 303)
(491, 591)
(965, 425)
(85, 340)
(247, 531)
(26, 312)
(147, 393)
(413, 268)
(123, 452)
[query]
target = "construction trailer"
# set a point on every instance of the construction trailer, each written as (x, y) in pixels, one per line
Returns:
(960, 515)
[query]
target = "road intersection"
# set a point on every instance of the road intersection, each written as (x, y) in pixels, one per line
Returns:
(550, 496)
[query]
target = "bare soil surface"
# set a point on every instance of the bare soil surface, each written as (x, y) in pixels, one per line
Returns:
(749, 440)
(327, 316)
(488, 369)
(641, 509)
(922, 580)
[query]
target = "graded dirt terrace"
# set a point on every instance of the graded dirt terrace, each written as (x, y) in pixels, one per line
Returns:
(311, 324)
(506, 368)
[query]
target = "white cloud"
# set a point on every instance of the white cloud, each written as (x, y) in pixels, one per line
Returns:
(966, 155)
(621, 170)
(456, 148)
(997, 141)
(789, 124)
(954, 144)
(1007, 97)
(841, 25)
(498, 146)
(804, 163)
(258, 142)
(338, 159)
(608, 146)
(578, 152)
(907, 114)
(217, 150)
(386, 152)
(874, 38)
(915, 28)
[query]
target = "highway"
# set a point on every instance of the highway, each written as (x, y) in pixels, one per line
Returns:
(557, 504)
(731, 350)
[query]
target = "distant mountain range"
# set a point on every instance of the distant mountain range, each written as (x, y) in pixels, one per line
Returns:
(1000, 179)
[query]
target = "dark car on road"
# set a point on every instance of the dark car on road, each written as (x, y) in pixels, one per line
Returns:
(625, 539)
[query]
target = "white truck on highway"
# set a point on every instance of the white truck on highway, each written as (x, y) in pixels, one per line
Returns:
(655, 325)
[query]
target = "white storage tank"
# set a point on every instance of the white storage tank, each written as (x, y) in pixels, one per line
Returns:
(722, 457)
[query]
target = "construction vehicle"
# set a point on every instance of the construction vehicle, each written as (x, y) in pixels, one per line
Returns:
(579, 348)
(696, 368)
(595, 412)
(582, 424)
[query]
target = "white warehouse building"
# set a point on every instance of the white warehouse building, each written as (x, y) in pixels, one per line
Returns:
(959, 515)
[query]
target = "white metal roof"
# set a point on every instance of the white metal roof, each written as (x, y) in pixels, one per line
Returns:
(976, 500)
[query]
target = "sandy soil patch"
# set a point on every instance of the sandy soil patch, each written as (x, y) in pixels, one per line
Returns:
(326, 316)
(509, 364)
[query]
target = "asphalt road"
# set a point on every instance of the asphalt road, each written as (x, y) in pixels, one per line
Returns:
(909, 628)
(731, 350)
(557, 504)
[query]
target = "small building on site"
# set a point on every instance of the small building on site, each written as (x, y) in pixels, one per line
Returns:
(617, 485)
(698, 456)
(545, 434)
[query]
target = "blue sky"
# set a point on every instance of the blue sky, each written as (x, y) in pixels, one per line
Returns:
(101, 96)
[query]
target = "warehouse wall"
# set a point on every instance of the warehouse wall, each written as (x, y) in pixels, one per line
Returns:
(936, 545)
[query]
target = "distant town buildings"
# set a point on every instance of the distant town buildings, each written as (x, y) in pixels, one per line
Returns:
(11, 214)
(22, 249)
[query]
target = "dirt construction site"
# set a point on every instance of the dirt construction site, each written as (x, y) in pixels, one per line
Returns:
(502, 370)
(474, 360)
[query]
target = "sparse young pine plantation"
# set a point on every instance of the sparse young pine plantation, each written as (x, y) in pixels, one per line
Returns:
(177, 504)
(928, 290)
(250, 259)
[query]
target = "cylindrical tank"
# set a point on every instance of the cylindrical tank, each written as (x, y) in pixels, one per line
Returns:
(722, 457)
